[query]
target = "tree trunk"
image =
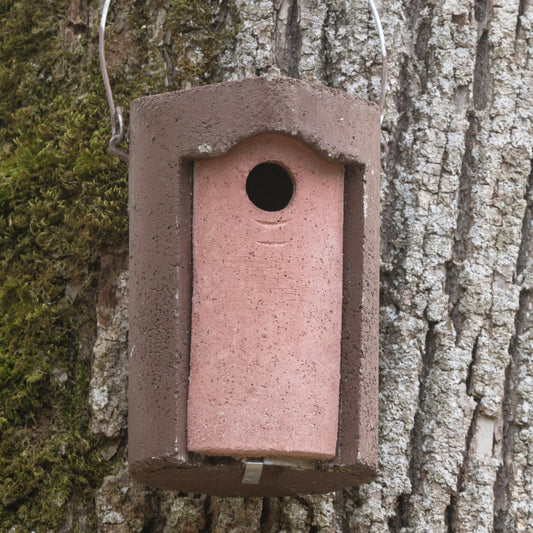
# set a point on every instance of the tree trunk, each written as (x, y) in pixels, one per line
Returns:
(456, 324)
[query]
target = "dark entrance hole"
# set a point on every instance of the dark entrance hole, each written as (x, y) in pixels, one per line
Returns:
(269, 187)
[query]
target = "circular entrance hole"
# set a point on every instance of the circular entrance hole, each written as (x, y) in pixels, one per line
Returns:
(269, 187)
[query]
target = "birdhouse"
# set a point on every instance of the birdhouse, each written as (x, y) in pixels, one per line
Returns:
(254, 261)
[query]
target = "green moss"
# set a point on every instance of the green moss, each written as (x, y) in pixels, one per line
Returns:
(63, 198)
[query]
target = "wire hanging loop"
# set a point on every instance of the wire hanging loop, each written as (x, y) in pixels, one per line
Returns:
(383, 59)
(119, 135)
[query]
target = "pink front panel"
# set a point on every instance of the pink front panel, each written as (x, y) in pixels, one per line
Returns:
(266, 309)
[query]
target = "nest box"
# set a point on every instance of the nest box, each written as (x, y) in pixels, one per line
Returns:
(254, 232)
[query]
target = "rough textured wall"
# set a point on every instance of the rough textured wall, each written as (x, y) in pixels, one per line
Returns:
(456, 413)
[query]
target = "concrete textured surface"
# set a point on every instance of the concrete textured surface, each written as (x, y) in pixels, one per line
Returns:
(267, 305)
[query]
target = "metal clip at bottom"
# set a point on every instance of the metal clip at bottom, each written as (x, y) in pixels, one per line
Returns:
(252, 472)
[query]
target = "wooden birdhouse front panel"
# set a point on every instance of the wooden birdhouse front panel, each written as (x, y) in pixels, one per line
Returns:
(267, 301)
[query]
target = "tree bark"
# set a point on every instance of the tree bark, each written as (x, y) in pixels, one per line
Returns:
(456, 323)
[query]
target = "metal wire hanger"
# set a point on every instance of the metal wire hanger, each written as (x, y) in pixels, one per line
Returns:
(117, 137)
(117, 117)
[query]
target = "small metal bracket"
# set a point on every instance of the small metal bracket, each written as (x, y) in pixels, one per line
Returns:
(252, 472)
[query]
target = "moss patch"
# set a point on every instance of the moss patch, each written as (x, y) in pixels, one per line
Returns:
(63, 198)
